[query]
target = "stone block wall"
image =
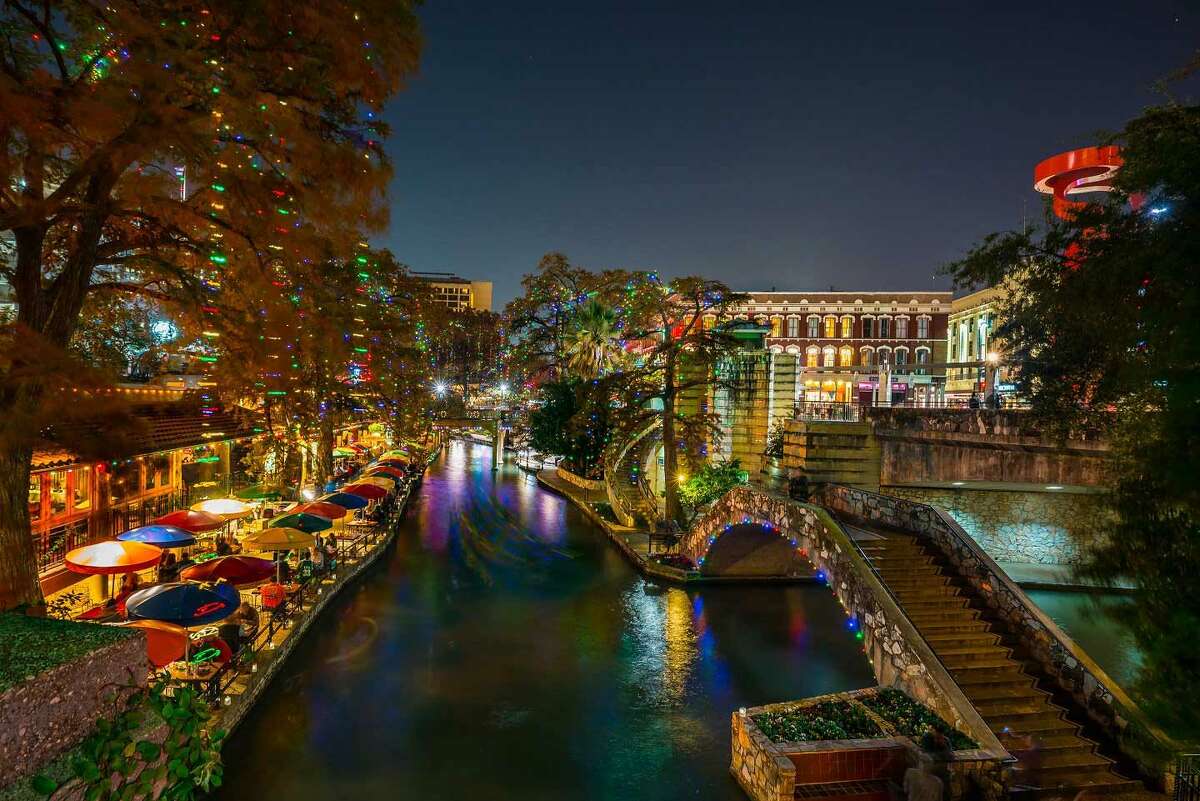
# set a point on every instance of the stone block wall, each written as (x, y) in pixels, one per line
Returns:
(578, 480)
(50, 713)
(1068, 665)
(1033, 527)
(763, 771)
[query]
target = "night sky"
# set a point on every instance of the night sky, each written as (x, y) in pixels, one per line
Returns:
(768, 144)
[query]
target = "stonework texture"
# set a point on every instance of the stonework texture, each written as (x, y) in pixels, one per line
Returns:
(899, 656)
(1044, 642)
(1038, 527)
(578, 480)
(52, 712)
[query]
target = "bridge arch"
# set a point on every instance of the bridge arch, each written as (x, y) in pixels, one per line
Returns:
(752, 548)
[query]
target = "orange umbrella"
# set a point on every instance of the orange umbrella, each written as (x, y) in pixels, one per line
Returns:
(113, 556)
(165, 642)
(191, 520)
(321, 509)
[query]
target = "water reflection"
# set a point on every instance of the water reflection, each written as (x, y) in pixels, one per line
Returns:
(505, 650)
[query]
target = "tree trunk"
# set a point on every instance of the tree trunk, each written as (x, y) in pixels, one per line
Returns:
(674, 511)
(19, 585)
(325, 451)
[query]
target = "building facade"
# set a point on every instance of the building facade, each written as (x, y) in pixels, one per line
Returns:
(845, 340)
(972, 347)
(458, 293)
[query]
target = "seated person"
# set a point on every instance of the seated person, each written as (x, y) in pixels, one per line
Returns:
(223, 548)
(306, 570)
(168, 567)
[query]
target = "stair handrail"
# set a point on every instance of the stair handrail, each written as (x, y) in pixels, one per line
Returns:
(985, 568)
(612, 462)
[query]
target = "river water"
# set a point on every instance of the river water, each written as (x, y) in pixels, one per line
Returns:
(505, 650)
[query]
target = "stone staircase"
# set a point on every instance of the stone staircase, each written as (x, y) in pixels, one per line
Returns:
(628, 482)
(972, 648)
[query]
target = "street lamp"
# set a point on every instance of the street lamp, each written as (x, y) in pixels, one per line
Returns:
(503, 388)
(439, 389)
(993, 358)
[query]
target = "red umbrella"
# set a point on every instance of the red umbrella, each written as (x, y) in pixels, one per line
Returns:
(369, 491)
(386, 470)
(359, 448)
(321, 509)
(112, 557)
(191, 520)
(236, 570)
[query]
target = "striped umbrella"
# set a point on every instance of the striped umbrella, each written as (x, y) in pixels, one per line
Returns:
(279, 539)
(372, 491)
(344, 500)
(304, 521)
(192, 521)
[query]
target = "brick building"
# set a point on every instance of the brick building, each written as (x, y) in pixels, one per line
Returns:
(842, 338)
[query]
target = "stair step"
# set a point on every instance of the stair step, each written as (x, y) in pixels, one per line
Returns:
(1030, 723)
(959, 639)
(947, 626)
(921, 617)
(1021, 687)
(1021, 705)
(954, 657)
(930, 592)
(941, 604)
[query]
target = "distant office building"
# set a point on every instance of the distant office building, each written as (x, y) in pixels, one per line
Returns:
(842, 338)
(458, 293)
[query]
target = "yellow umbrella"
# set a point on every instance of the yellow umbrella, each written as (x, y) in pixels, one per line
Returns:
(280, 538)
(383, 482)
(225, 508)
(395, 453)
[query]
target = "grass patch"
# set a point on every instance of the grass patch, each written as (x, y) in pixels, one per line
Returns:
(831, 720)
(32, 645)
(913, 719)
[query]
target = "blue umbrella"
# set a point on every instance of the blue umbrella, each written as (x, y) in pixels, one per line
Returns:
(160, 535)
(184, 603)
(345, 500)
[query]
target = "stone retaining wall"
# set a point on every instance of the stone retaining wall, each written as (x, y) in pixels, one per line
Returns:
(1075, 673)
(578, 480)
(899, 656)
(54, 711)
(1020, 526)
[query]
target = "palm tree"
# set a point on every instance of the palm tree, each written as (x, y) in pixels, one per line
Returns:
(593, 346)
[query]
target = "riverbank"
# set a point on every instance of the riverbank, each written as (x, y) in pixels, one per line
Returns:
(634, 543)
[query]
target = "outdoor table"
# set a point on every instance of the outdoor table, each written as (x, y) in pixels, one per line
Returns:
(183, 671)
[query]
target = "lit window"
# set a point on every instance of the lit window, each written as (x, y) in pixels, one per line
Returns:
(811, 357)
(58, 492)
(81, 489)
(35, 497)
(828, 356)
(867, 356)
(830, 327)
(776, 326)
(847, 327)
(846, 357)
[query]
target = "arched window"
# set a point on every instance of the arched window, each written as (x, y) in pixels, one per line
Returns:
(922, 359)
(812, 356)
(847, 327)
(793, 327)
(901, 356)
(883, 356)
(830, 327)
(776, 326)
(828, 356)
(901, 328)
(846, 357)
(867, 357)
(814, 327)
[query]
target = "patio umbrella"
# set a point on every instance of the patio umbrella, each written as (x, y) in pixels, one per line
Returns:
(343, 452)
(111, 557)
(393, 462)
(384, 482)
(279, 539)
(371, 491)
(192, 520)
(344, 500)
(260, 492)
(237, 570)
(165, 642)
(385, 470)
(302, 520)
(224, 508)
(162, 536)
(395, 453)
(321, 509)
(184, 603)
(359, 448)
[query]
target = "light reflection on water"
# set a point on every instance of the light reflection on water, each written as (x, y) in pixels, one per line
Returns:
(505, 650)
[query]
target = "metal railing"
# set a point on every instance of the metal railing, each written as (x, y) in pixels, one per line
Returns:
(1187, 777)
(828, 411)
